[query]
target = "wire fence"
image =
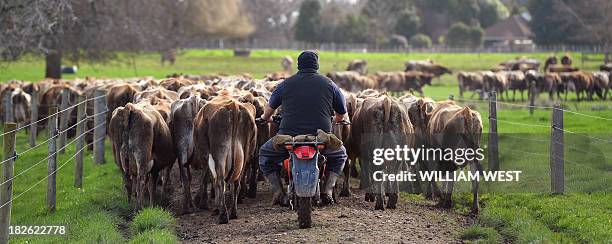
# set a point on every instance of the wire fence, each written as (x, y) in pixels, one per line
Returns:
(56, 118)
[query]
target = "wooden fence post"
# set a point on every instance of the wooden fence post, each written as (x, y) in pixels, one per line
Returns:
(6, 190)
(557, 174)
(34, 118)
(8, 109)
(78, 168)
(100, 127)
(532, 91)
(63, 119)
(493, 152)
(52, 166)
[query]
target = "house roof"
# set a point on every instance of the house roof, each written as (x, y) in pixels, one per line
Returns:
(513, 28)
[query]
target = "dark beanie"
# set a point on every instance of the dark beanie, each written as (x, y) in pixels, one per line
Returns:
(308, 60)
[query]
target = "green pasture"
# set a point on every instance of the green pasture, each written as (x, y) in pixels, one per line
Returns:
(522, 212)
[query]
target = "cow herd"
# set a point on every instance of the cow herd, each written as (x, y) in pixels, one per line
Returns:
(205, 126)
(522, 75)
(415, 76)
(207, 129)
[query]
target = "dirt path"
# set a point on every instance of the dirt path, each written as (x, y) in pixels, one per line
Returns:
(351, 220)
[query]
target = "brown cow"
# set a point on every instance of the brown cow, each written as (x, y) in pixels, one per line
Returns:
(225, 139)
(358, 65)
(182, 116)
(174, 84)
(381, 122)
(157, 92)
(52, 97)
(496, 81)
(119, 95)
(454, 127)
(471, 81)
(516, 81)
(427, 66)
(142, 146)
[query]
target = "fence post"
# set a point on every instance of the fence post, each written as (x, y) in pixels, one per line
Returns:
(63, 119)
(34, 118)
(532, 96)
(493, 152)
(52, 125)
(8, 109)
(100, 127)
(78, 168)
(557, 174)
(6, 190)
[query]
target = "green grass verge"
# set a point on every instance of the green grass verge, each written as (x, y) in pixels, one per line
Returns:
(153, 219)
(95, 213)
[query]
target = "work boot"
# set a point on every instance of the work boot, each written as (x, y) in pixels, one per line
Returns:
(280, 197)
(328, 188)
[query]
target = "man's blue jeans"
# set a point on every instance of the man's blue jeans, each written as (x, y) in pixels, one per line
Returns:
(270, 160)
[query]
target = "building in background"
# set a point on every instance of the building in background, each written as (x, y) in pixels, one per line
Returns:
(512, 33)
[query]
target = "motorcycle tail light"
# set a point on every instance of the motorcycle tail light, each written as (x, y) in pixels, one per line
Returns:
(289, 147)
(304, 152)
(320, 147)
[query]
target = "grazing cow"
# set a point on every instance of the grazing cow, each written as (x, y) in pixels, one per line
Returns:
(416, 80)
(225, 138)
(543, 82)
(471, 81)
(601, 84)
(182, 116)
(606, 67)
(516, 81)
(381, 122)
(358, 65)
(427, 66)
(561, 68)
(142, 146)
(345, 80)
(454, 127)
(582, 82)
(287, 63)
(169, 56)
(497, 82)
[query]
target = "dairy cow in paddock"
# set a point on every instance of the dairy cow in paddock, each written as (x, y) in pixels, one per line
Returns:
(427, 66)
(52, 97)
(454, 127)
(542, 82)
(182, 116)
(343, 132)
(358, 65)
(174, 84)
(471, 81)
(516, 81)
(142, 146)
(601, 84)
(225, 139)
(381, 122)
(119, 95)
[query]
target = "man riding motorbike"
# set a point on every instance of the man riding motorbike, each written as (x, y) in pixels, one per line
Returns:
(309, 101)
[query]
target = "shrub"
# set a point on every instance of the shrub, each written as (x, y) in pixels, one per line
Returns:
(155, 236)
(420, 41)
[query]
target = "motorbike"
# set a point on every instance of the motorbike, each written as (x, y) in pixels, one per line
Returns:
(304, 175)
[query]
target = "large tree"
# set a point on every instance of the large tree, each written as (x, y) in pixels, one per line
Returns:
(308, 22)
(381, 16)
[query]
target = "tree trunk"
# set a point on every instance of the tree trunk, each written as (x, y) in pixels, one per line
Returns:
(53, 62)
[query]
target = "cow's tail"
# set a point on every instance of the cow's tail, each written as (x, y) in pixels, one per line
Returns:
(234, 109)
(125, 138)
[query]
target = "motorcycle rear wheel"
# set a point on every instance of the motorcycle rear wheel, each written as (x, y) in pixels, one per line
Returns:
(304, 212)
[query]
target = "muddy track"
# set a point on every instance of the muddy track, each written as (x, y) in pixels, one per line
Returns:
(351, 220)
